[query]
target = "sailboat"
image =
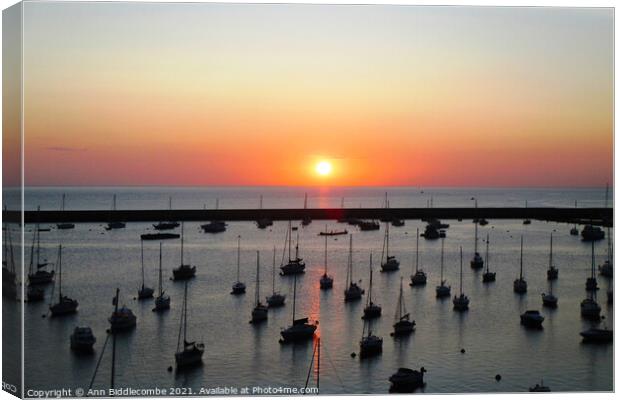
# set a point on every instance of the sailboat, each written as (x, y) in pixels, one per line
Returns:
(526, 221)
(477, 262)
(64, 225)
(188, 353)
(442, 290)
(461, 303)
(238, 286)
(402, 324)
(549, 299)
(294, 266)
(301, 328)
(371, 310)
(326, 282)
(114, 224)
(591, 284)
(263, 222)
(520, 285)
(552, 271)
(589, 307)
(390, 263)
(370, 345)
(353, 292)
(184, 271)
(122, 319)
(259, 313)
(419, 277)
(488, 276)
(37, 275)
(162, 301)
(275, 299)
(166, 225)
(65, 304)
(144, 292)
(574, 231)
(306, 220)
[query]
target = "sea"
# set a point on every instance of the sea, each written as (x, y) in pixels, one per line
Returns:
(462, 352)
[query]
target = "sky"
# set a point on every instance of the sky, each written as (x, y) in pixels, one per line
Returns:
(229, 94)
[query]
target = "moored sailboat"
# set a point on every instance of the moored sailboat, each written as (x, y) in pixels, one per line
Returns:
(418, 278)
(184, 271)
(461, 303)
(275, 299)
(65, 305)
(144, 292)
(326, 281)
(162, 301)
(188, 354)
(488, 276)
(122, 319)
(552, 271)
(442, 290)
(371, 310)
(402, 324)
(477, 262)
(238, 286)
(520, 285)
(64, 225)
(259, 313)
(114, 224)
(295, 265)
(591, 283)
(353, 292)
(166, 225)
(301, 329)
(390, 263)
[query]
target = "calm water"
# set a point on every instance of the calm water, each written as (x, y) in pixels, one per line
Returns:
(237, 353)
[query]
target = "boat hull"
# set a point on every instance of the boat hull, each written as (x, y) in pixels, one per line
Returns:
(65, 307)
(183, 273)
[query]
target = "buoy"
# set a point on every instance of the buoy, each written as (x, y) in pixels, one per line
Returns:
(43, 316)
(170, 368)
(353, 355)
(462, 351)
(498, 377)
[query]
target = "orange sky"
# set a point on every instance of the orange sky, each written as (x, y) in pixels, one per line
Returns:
(199, 94)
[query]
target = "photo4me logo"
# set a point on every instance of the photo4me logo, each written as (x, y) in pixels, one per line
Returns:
(9, 387)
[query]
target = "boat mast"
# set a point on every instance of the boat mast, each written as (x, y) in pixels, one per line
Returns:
(350, 260)
(37, 234)
(60, 272)
(273, 274)
(551, 250)
(461, 279)
(325, 272)
(593, 259)
(294, 296)
(182, 240)
(441, 262)
(257, 278)
(142, 259)
(476, 238)
(318, 364)
(369, 300)
(417, 247)
(486, 256)
(297, 247)
(521, 261)
(112, 373)
(62, 206)
(608, 229)
(238, 255)
(160, 283)
(400, 307)
(289, 240)
(305, 200)
(387, 241)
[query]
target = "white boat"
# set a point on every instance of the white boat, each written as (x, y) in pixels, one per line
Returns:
(144, 292)
(295, 265)
(402, 323)
(65, 304)
(238, 286)
(520, 285)
(122, 319)
(552, 271)
(442, 290)
(371, 310)
(188, 354)
(477, 262)
(418, 278)
(353, 292)
(390, 263)
(259, 313)
(461, 302)
(184, 271)
(301, 329)
(162, 301)
(275, 299)
(326, 281)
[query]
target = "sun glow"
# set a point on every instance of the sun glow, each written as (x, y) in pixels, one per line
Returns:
(323, 168)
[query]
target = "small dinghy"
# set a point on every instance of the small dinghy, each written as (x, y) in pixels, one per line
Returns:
(540, 387)
(406, 380)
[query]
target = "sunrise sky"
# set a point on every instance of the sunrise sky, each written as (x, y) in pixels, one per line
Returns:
(222, 94)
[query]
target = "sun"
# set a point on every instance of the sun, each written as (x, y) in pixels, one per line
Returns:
(323, 168)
